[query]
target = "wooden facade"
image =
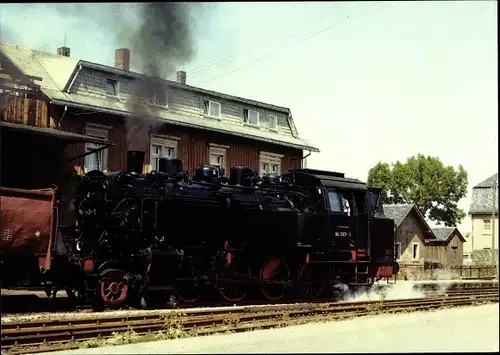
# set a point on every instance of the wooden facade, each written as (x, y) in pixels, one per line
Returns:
(23, 110)
(411, 234)
(193, 144)
(22, 102)
(446, 252)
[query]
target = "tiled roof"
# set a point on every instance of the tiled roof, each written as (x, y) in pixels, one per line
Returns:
(485, 196)
(492, 181)
(56, 72)
(397, 212)
(444, 234)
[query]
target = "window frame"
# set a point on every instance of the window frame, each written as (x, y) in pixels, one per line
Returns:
(165, 142)
(155, 103)
(398, 251)
(96, 131)
(115, 82)
(209, 106)
(487, 222)
(246, 117)
(415, 253)
(271, 159)
(273, 119)
(218, 150)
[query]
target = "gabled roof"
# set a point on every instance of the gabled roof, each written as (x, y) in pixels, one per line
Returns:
(445, 234)
(492, 181)
(399, 212)
(485, 196)
(53, 69)
(57, 72)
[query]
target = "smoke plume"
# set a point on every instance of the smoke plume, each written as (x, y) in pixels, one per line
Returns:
(160, 40)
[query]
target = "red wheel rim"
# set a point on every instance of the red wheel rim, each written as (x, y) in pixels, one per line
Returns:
(306, 273)
(187, 290)
(274, 270)
(113, 290)
(238, 269)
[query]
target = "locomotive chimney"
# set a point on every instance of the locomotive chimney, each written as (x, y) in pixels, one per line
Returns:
(135, 161)
(181, 77)
(122, 59)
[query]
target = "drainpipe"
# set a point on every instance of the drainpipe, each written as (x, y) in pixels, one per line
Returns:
(74, 78)
(62, 117)
(304, 158)
(493, 215)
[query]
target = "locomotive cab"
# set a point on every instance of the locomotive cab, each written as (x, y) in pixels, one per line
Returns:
(347, 226)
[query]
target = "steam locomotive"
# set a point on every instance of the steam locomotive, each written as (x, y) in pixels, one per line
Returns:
(126, 235)
(299, 234)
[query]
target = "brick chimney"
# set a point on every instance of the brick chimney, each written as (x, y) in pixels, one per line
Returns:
(181, 77)
(122, 59)
(64, 51)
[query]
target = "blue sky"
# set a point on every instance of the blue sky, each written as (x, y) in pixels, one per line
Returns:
(366, 81)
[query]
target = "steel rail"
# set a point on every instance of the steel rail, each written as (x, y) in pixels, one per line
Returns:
(22, 320)
(37, 336)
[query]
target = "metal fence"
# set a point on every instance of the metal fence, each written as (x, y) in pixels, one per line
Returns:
(419, 272)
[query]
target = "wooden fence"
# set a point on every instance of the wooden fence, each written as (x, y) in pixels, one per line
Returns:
(419, 272)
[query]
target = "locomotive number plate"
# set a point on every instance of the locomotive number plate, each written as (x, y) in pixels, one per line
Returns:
(342, 234)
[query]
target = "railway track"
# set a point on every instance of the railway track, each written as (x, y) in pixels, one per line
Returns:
(24, 303)
(51, 335)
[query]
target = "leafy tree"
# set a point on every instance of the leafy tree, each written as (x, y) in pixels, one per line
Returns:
(426, 182)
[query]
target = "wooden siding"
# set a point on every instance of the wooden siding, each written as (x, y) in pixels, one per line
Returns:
(194, 149)
(412, 230)
(448, 254)
(76, 124)
(17, 109)
(193, 146)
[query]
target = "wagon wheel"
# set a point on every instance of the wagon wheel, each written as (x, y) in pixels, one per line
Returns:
(187, 288)
(274, 271)
(307, 274)
(114, 290)
(239, 271)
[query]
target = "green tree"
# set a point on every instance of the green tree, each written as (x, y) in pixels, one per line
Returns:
(426, 182)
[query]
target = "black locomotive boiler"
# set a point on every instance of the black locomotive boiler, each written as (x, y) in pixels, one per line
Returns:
(298, 234)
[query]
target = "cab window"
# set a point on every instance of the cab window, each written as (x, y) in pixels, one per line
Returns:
(335, 201)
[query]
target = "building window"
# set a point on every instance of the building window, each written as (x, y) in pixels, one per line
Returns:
(250, 117)
(487, 226)
(415, 253)
(160, 99)
(212, 109)
(218, 154)
(97, 160)
(111, 87)
(270, 163)
(162, 147)
(398, 250)
(273, 122)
